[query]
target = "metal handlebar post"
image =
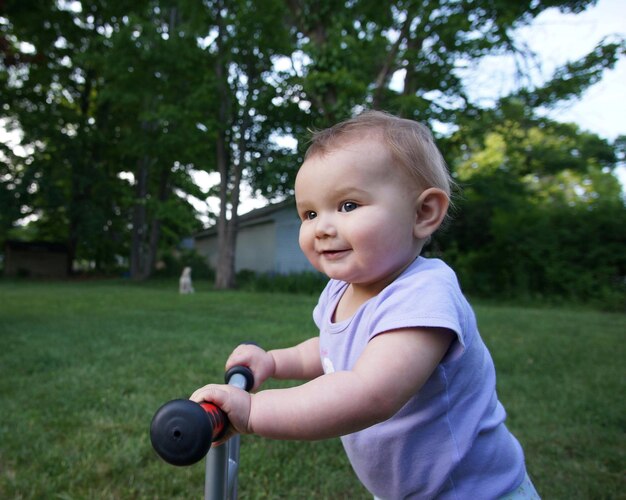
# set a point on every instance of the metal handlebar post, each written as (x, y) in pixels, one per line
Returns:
(222, 462)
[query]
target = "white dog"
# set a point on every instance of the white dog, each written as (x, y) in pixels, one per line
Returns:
(184, 283)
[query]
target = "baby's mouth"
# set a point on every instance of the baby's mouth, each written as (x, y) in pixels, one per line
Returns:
(334, 254)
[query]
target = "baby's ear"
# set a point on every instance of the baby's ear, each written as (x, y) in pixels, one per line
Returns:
(431, 209)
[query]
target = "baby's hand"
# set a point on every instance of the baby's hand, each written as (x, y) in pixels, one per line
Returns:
(259, 361)
(231, 400)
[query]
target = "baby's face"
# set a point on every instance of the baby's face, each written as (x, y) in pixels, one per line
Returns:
(358, 213)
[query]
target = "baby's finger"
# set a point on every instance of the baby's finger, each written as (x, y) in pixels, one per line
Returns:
(243, 354)
(211, 394)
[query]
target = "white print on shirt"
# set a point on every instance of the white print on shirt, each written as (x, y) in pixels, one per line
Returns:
(328, 365)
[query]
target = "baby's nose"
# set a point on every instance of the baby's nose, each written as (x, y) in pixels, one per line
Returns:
(325, 226)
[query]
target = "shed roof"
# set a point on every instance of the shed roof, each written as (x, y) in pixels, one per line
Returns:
(258, 216)
(36, 246)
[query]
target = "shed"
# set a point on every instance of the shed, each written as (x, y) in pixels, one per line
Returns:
(267, 241)
(35, 259)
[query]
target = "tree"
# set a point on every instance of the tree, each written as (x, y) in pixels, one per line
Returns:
(48, 93)
(162, 127)
(539, 210)
(15, 196)
(96, 90)
(404, 56)
(245, 40)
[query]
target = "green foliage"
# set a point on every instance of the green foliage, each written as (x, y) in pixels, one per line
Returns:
(84, 366)
(102, 95)
(539, 214)
(533, 252)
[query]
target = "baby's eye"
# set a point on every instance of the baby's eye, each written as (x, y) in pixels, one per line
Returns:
(309, 215)
(348, 206)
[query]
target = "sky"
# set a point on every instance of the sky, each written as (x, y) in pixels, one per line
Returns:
(557, 38)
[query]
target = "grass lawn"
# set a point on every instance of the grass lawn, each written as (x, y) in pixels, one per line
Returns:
(84, 366)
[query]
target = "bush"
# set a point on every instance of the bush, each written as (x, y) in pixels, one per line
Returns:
(310, 283)
(172, 265)
(566, 253)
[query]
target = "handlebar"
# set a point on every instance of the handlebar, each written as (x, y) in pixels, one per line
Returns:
(182, 430)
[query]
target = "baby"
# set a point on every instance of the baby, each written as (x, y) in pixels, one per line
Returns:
(399, 370)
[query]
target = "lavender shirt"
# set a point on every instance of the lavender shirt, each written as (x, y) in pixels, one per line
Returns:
(449, 440)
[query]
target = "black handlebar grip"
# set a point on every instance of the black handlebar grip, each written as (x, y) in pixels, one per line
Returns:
(182, 431)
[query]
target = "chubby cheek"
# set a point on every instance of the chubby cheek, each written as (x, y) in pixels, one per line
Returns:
(379, 245)
(306, 240)
(366, 237)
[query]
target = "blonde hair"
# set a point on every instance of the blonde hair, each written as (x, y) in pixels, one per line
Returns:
(410, 144)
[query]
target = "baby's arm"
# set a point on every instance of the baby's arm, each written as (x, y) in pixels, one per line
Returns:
(301, 362)
(392, 368)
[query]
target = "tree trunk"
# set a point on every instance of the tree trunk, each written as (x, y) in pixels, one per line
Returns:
(140, 223)
(146, 231)
(155, 226)
(226, 227)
